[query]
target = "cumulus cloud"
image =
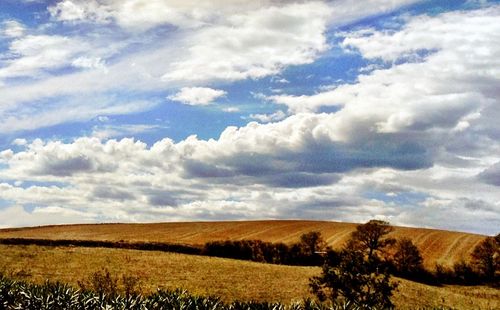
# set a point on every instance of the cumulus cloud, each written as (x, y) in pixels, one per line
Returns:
(446, 89)
(197, 95)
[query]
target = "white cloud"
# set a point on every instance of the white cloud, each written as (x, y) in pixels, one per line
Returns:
(19, 142)
(76, 10)
(13, 29)
(89, 63)
(254, 44)
(231, 109)
(140, 15)
(443, 90)
(197, 95)
(232, 177)
(228, 39)
(266, 118)
(108, 131)
(33, 53)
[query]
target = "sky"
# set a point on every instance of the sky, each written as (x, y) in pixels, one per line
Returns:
(187, 110)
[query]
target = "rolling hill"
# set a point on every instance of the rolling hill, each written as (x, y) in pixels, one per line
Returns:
(229, 279)
(437, 246)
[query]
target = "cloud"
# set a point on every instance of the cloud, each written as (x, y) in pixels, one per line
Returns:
(442, 92)
(88, 63)
(266, 118)
(105, 132)
(75, 10)
(231, 109)
(13, 28)
(491, 175)
(197, 95)
(407, 141)
(213, 40)
(141, 15)
(33, 53)
(254, 44)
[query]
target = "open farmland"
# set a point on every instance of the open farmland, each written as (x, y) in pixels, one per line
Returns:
(437, 246)
(229, 279)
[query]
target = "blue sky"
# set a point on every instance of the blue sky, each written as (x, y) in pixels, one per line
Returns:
(156, 110)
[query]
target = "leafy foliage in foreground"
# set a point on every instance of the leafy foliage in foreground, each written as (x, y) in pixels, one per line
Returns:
(23, 295)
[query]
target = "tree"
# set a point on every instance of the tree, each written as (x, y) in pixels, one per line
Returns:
(371, 237)
(309, 248)
(486, 257)
(407, 259)
(312, 242)
(352, 279)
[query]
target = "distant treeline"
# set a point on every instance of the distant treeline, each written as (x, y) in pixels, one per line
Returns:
(145, 246)
(265, 252)
(254, 250)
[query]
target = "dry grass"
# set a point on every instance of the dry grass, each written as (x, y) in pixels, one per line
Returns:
(230, 279)
(437, 246)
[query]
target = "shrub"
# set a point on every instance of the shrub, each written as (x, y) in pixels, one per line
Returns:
(101, 281)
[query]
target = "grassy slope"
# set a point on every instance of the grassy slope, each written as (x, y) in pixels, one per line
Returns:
(230, 279)
(437, 246)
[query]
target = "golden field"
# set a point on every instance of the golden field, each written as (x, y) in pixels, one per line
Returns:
(436, 246)
(229, 279)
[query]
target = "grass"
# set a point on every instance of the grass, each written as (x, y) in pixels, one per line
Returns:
(436, 246)
(229, 279)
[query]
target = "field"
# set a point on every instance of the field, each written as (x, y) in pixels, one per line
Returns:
(436, 246)
(229, 279)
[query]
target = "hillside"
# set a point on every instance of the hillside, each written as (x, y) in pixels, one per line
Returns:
(230, 279)
(437, 246)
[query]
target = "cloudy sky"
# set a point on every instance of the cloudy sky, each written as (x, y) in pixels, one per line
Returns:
(170, 110)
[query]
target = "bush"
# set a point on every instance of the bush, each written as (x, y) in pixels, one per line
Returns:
(102, 282)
